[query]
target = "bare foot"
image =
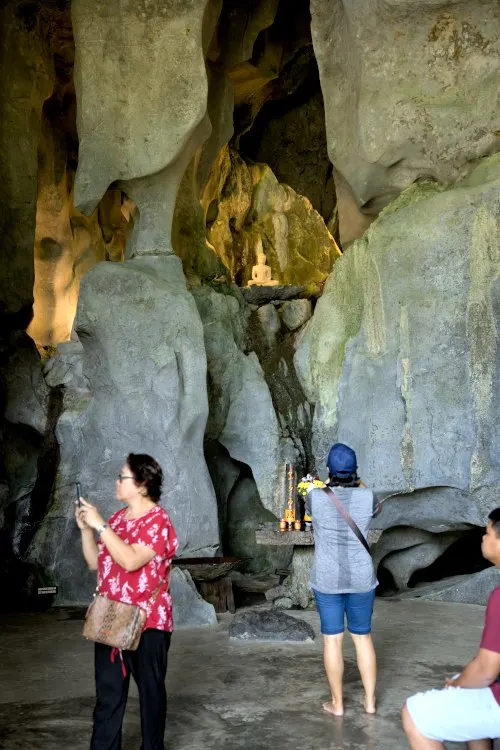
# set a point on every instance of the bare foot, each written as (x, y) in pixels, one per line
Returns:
(331, 708)
(369, 705)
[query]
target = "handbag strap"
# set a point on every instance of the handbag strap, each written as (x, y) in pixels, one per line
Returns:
(155, 592)
(158, 588)
(347, 517)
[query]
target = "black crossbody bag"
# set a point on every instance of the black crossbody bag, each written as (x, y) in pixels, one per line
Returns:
(347, 517)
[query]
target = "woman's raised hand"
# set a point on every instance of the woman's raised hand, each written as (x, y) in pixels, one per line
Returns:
(90, 515)
(80, 521)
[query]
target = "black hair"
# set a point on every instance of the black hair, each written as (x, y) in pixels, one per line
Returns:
(346, 480)
(147, 473)
(494, 517)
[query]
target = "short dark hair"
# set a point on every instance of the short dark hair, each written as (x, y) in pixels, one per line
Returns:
(494, 517)
(346, 480)
(147, 473)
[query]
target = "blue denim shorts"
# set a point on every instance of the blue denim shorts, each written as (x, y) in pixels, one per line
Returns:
(357, 608)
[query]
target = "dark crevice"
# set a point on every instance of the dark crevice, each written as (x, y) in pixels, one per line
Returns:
(287, 96)
(31, 510)
(463, 557)
(386, 584)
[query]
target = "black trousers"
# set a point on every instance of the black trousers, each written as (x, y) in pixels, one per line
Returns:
(148, 666)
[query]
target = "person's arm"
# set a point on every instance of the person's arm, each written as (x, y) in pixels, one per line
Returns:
(377, 506)
(484, 668)
(89, 545)
(89, 548)
(307, 505)
(481, 672)
(130, 557)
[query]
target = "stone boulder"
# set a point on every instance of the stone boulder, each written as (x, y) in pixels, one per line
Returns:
(402, 538)
(189, 610)
(245, 513)
(403, 563)
(263, 295)
(399, 79)
(269, 625)
(401, 356)
(144, 359)
(434, 509)
(296, 313)
(474, 589)
(66, 367)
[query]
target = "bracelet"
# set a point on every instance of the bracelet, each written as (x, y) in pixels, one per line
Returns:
(101, 528)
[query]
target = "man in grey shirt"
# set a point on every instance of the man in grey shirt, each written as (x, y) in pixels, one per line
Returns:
(343, 577)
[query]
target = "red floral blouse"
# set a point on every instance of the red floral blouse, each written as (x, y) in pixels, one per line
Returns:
(153, 530)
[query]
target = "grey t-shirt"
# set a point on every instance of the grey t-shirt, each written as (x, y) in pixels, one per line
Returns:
(341, 563)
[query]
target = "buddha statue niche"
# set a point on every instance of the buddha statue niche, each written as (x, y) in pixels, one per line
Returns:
(261, 273)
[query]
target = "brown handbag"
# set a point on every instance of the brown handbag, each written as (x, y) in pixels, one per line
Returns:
(116, 624)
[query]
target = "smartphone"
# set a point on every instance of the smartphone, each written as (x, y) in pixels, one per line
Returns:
(78, 492)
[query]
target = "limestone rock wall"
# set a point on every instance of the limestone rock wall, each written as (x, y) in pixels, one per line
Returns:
(161, 358)
(24, 84)
(401, 358)
(129, 89)
(256, 422)
(67, 243)
(27, 453)
(410, 90)
(146, 393)
(258, 416)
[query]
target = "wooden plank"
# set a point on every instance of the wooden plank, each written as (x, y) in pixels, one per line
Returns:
(207, 568)
(219, 593)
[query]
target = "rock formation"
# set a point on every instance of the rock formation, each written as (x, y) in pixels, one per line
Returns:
(123, 360)
(401, 357)
(410, 91)
(245, 203)
(139, 175)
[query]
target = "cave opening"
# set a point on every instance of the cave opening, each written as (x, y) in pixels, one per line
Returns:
(288, 132)
(240, 513)
(271, 186)
(431, 563)
(462, 557)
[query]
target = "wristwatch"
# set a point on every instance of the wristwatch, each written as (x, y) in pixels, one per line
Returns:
(101, 528)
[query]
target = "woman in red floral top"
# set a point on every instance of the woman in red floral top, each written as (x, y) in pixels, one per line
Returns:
(132, 557)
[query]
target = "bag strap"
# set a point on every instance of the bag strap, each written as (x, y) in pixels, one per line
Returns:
(347, 517)
(155, 592)
(158, 588)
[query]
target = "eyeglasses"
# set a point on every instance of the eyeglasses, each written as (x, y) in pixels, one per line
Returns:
(121, 477)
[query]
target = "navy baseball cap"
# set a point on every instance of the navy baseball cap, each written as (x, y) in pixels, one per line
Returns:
(341, 460)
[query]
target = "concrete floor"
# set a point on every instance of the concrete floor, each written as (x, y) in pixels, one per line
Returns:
(231, 695)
